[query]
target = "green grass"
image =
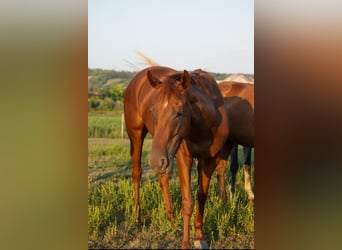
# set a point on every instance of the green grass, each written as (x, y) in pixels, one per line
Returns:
(107, 125)
(110, 204)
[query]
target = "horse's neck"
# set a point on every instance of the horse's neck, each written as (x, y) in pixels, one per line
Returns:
(205, 112)
(209, 126)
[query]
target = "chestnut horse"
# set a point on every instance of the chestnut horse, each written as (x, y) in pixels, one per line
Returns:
(239, 103)
(185, 113)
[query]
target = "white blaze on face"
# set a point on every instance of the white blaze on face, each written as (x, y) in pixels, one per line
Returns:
(165, 104)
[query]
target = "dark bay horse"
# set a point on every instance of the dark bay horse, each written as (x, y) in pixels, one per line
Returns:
(185, 113)
(239, 103)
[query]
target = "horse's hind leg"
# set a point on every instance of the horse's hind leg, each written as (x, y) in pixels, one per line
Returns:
(137, 139)
(234, 166)
(247, 171)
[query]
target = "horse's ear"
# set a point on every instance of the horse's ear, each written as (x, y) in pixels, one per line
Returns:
(185, 80)
(153, 80)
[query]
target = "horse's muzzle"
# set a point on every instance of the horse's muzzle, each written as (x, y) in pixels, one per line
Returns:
(160, 165)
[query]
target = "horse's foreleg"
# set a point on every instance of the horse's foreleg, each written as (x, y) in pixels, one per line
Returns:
(164, 185)
(136, 176)
(220, 169)
(184, 164)
(205, 170)
(247, 172)
(136, 149)
(221, 164)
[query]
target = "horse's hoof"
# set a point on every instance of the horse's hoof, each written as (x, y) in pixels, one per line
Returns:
(171, 217)
(201, 244)
(185, 245)
(251, 198)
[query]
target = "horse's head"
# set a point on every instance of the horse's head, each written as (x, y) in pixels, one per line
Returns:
(171, 117)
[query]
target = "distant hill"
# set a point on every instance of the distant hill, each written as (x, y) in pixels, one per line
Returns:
(239, 77)
(108, 79)
(106, 87)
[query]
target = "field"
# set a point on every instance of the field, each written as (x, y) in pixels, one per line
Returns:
(110, 199)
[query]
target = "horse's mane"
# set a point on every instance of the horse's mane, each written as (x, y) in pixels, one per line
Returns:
(206, 83)
(200, 79)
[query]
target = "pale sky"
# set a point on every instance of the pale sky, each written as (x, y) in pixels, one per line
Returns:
(214, 35)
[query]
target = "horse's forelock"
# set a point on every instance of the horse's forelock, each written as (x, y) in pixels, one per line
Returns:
(169, 84)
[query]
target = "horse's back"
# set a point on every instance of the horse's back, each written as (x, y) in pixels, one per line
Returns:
(243, 90)
(239, 103)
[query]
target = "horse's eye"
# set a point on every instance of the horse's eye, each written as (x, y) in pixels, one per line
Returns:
(179, 114)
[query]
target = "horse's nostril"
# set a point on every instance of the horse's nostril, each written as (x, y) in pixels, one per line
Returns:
(163, 162)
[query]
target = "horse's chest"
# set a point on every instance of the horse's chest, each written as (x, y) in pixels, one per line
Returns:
(199, 150)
